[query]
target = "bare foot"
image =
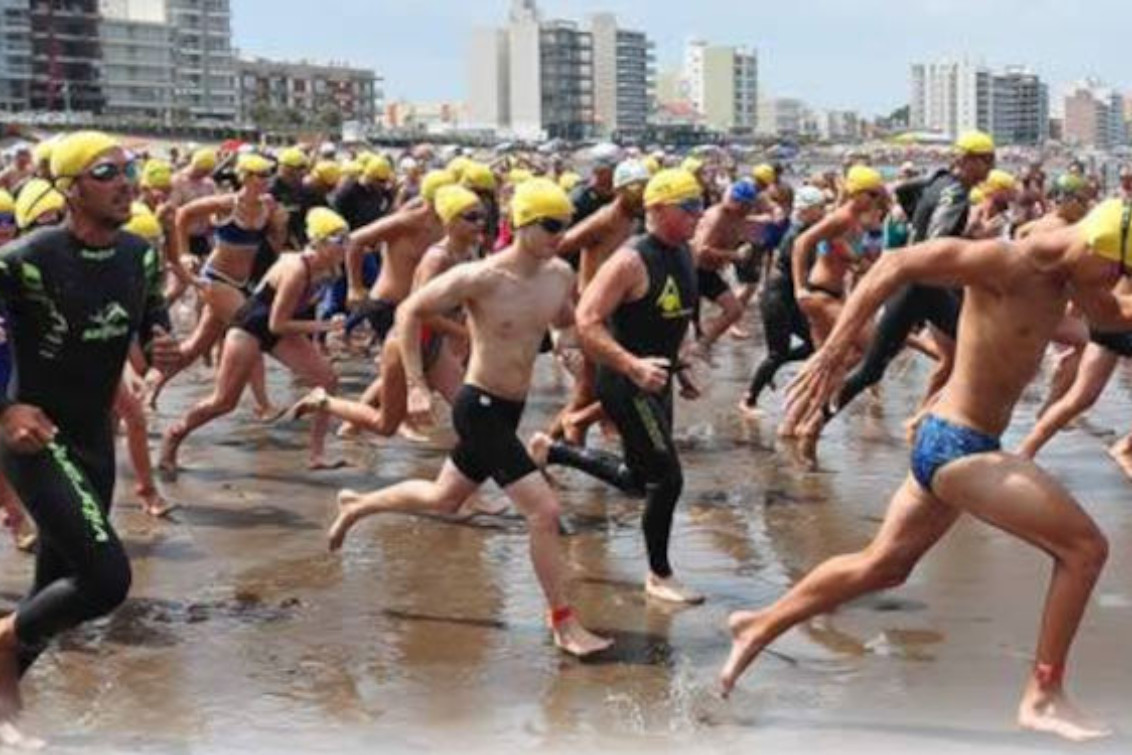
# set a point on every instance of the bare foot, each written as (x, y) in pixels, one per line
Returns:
(314, 401)
(27, 538)
(1121, 453)
(739, 333)
(167, 464)
(345, 520)
(671, 590)
(10, 702)
(573, 638)
(154, 504)
(269, 413)
(539, 448)
(348, 431)
(412, 434)
(745, 647)
(319, 464)
(12, 737)
(750, 412)
(474, 505)
(1050, 712)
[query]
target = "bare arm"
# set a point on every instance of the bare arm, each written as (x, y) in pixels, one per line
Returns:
(583, 235)
(187, 216)
(447, 291)
(617, 281)
(705, 250)
(1105, 307)
(431, 267)
(365, 240)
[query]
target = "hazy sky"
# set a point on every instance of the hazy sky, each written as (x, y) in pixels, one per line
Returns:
(832, 53)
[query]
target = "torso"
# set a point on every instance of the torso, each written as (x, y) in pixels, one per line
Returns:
(507, 322)
(401, 257)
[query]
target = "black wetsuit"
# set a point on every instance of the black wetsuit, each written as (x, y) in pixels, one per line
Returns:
(652, 326)
(297, 200)
(782, 318)
(940, 210)
(359, 204)
(72, 313)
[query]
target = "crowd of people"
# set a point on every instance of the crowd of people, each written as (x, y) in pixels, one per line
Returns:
(457, 270)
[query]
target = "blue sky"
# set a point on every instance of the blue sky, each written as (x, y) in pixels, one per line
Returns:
(832, 53)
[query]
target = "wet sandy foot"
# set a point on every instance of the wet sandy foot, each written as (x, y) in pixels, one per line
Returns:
(572, 638)
(671, 590)
(155, 505)
(345, 519)
(1052, 713)
(745, 647)
(1121, 453)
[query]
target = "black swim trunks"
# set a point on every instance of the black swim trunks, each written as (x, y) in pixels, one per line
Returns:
(489, 446)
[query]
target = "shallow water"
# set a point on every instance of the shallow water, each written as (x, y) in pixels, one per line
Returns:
(243, 634)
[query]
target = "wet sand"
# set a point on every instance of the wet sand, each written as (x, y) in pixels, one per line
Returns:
(243, 634)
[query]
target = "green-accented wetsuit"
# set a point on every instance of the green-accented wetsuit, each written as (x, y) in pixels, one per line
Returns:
(73, 311)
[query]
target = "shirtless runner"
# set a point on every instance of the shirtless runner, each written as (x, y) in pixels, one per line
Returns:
(510, 299)
(1016, 295)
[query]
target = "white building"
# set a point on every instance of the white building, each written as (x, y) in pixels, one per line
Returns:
(204, 64)
(137, 58)
(840, 125)
(534, 79)
(15, 55)
(951, 97)
(785, 117)
(723, 85)
(624, 75)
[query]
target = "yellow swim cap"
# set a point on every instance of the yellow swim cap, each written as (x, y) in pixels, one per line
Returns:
(204, 159)
(479, 177)
(253, 163)
(518, 176)
(432, 182)
(692, 164)
(351, 168)
(978, 195)
(7, 204)
(1000, 180)
(1107, 229)
(378, 168)
(322, 223)
(77, 152)
(569, 180)
(672, 186)
(293, 157)
(974, 143)
(327, 172)
(453, 201)
(143, 223)
(457, 167)
(861, 178)
(43, 151)
(364, 157)
(652, 164)
(765, 174)
(539, 199)
(157, 174)
(37, 198)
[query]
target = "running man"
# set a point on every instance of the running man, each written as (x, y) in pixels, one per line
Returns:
(511, 298)
(76, 297)
(957, 463)
(647, 295)
(940, 209)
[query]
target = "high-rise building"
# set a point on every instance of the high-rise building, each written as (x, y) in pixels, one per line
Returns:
(66, 56)
(1020, 107)
(137, 58)
(534, 79)
(204, 64)
(785, 117)
(723, 85)
(952, 97)
(624, 66)
(15, 55)
(308, 89)
(489, 85)
(1094, 116)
